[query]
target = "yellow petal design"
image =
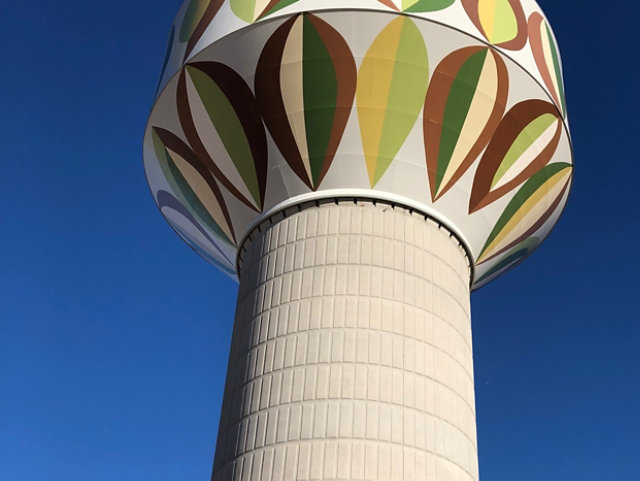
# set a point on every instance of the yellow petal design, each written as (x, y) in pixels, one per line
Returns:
(530, 208)
(392, 84)
(502, 22)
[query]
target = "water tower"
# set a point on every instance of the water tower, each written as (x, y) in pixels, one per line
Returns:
(360, 166)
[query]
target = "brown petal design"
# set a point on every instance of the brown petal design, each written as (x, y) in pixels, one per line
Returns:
(545, 53)
(229, 104)
(515, 128)
(389, 4)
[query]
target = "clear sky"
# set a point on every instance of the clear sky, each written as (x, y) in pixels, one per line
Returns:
(114, 335)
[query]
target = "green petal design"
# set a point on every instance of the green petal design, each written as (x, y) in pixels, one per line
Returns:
(425, 5)
(511, 259)
(524, 143)
(192, 17)
(502, 22)
(392, 83)
(220, 119)
(545, 53)
(417, 5)
(305, 93)
(252, 10)
(529, 209)
(216, 217)
(465, 102)
(196, 19)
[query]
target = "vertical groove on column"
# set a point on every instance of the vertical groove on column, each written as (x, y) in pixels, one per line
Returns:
(351, 355)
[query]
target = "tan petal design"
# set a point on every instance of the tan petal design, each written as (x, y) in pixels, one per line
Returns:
(192, 183)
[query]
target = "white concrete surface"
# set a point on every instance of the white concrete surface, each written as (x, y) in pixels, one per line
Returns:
(351, 356)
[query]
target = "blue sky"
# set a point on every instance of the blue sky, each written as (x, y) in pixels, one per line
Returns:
(114, 335)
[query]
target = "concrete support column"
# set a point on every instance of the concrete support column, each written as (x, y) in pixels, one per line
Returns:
(351, 352)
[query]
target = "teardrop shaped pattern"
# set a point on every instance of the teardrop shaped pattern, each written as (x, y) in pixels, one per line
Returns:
(252, 10)
(502, 22)
(524, 143)
(187, 227)
(192, 184)
(510, 259)
(465, 102)
(418, 5)
(392, 84)
(196, 19)
(545, 52)
(220, 119)
(305, 86)
(529, 209)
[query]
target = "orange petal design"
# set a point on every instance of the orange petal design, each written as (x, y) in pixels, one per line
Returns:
(502, 22)
(465, 102)
(524, 143)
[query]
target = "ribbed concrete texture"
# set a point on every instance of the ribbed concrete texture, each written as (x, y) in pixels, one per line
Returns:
(351, 352)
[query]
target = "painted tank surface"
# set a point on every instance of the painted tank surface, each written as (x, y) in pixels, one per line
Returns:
(452, 108)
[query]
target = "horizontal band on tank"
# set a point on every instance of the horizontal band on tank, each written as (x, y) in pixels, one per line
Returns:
(351, 9)
(307, 201)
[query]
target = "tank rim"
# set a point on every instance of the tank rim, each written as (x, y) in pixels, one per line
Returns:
(353, 196)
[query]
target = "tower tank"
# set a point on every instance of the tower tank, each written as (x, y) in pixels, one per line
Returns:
(360, 166)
